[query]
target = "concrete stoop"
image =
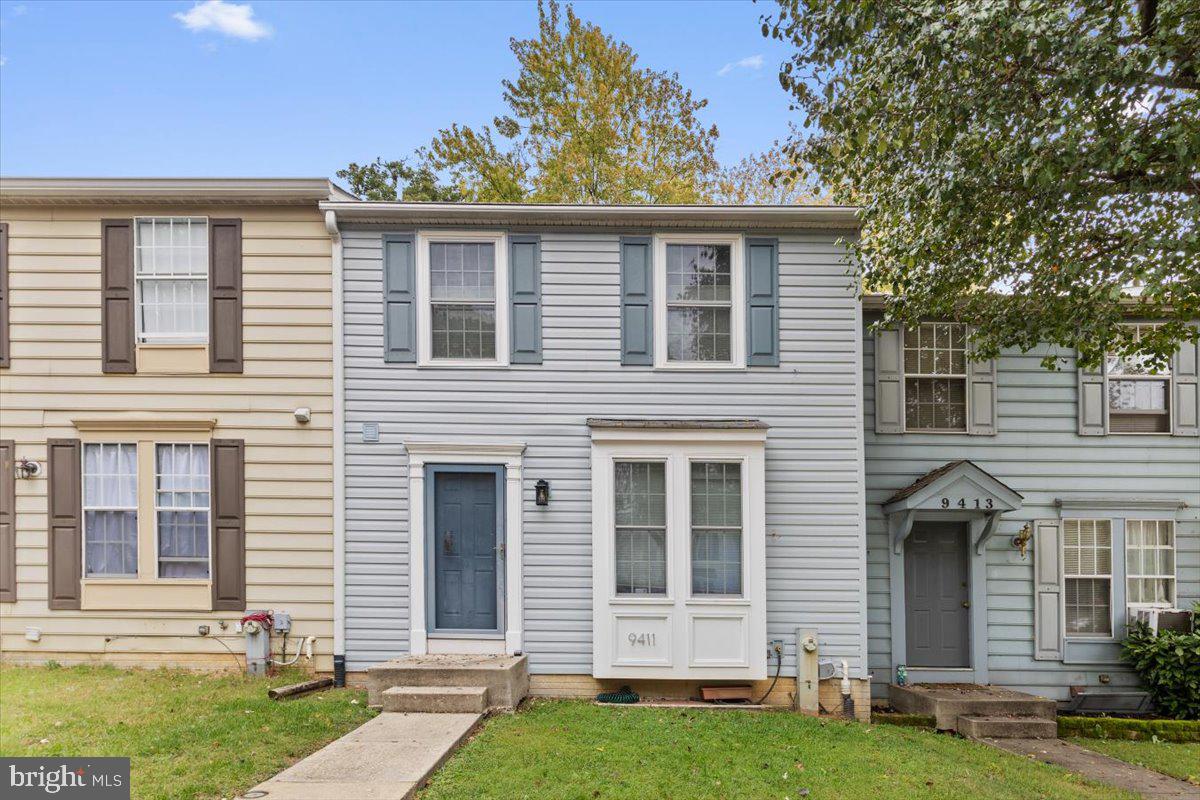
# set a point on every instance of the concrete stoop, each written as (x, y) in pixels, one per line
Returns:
(978, 711)
(448, 683)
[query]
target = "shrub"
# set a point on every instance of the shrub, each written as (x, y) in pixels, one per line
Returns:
(1169, 665)
(1165, 730)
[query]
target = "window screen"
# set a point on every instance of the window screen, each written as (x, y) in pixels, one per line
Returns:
(641, 527)
(716, 502)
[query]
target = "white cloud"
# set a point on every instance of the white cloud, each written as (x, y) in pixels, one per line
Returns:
(3, 60)
(749, 62)
(231, 19)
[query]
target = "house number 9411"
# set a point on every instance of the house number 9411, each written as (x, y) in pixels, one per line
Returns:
(642, 639)
(963, 502)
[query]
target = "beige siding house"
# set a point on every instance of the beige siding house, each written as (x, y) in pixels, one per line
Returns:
(166, 400)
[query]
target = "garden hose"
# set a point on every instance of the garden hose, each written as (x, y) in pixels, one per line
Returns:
(775, 680)
(623, 695)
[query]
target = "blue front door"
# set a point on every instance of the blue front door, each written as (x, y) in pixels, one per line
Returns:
(465, 549)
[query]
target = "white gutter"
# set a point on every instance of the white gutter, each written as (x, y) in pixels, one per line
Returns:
(339, 456)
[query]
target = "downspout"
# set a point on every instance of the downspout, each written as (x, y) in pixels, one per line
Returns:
(339, 459)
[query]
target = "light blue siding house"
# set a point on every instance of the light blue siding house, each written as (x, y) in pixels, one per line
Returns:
(1017, 517)
(625, 441)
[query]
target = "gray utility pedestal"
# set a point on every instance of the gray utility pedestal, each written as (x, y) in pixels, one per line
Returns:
(448, 683)
(979, 711)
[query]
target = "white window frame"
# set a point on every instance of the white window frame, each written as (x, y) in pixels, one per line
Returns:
(1168, 377)
(684, 621)
(964, 377)
(669, 561)
(135, 508)
(157, 541)
(737, 319)
(1173, 577)
(424, 298)
(1112, 611)
(141, 337)
(689, 528)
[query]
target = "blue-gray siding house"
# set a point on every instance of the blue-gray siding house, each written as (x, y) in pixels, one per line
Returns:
(682, 385)
(1017, 517)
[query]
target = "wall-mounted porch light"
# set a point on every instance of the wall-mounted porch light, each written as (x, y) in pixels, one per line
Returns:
(541, 492)
(1021, 540)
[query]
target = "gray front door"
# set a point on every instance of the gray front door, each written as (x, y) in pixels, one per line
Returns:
(465, 540)
(936, 615)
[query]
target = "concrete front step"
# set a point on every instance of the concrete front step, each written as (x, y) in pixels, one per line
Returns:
(436, 699)
(948, 702)
(505, 678)
(1005, 727)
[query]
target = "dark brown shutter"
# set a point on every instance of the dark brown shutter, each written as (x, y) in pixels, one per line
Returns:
(8, 522)
(229, 525)
(225, 295)
(66, 529)
(4, 317)
(117, 311)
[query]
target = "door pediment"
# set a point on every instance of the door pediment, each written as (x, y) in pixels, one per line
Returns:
(959, 488)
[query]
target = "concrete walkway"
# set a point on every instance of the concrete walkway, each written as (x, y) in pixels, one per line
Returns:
(387, 758)
(1100, 768)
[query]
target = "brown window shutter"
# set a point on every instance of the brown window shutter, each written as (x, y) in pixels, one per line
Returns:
(5, 356)
(229, 525)
(66, 526)
(225, 295)
(116, 296)
(8, 522)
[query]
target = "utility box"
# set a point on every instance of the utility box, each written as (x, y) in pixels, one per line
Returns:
(282, 623)
(258, 646)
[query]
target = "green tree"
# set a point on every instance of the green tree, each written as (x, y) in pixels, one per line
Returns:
(585, 124)
(766, 178)
(1031, 167)
(392, 180)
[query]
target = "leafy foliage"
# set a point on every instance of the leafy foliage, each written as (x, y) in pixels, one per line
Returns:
(1169, 665)
(1019, 165)
(765, 178)
(1165, 730)
(393, 180)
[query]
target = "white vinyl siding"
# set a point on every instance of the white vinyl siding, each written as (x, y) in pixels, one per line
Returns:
(171, 272)
(1087, 577)
(935, 377)
(181, 508)
(1150, 563)
(110, 505)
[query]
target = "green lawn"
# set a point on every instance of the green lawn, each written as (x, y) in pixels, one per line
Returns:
(189, 735)
(576, 750)
(1170, 758)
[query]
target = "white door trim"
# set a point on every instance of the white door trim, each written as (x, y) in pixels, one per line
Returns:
(510, 455)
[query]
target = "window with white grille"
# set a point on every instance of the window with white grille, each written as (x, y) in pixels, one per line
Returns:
(699, 302)
(171, 276)
(181, 506)
(935, 377)
(640, 554)
(1087, 576)
(1138, 396)
(1150, 562)
(110, 506)
(716, 489)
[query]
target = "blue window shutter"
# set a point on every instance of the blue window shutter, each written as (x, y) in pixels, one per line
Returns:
(637, 306)
(525, 288)
(762, 302)
(399, 298)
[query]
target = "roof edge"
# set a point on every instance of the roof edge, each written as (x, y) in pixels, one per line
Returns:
(84, 191)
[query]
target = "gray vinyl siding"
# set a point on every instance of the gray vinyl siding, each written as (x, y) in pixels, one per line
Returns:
(1037, 452)
(815, 544)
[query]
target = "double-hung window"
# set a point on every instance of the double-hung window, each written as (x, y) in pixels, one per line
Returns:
(171, 277)
(699, 320)
(110, 510)
(935, 377)
(716, 503)
(463, 280)
(1138, 397)
(641, 527)
(1150, 563)
(1087, 577)
(181, 505)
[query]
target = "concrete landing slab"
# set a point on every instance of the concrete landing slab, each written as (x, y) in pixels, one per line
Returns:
(387, 758)
(1099, 767)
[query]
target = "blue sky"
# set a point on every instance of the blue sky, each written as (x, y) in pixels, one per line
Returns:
(302, 88)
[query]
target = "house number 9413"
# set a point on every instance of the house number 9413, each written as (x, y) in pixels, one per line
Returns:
(962, 502)
(642, 639)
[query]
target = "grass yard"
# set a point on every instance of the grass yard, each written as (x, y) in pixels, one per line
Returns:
(571, 749)
(1180, 760)
(189, 735)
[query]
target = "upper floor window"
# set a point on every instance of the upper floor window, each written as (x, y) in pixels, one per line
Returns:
(1138, 397)
(1087, 576)
(1150, 562)
(935, 377)
(699, 316)
(171, 274)
(463, 278)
